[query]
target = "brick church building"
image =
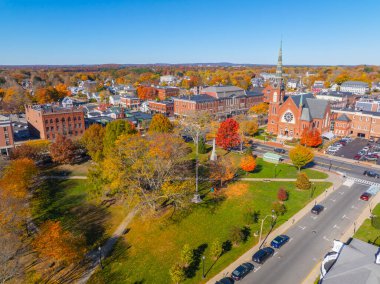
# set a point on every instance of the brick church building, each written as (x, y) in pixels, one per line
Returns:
(289, 116)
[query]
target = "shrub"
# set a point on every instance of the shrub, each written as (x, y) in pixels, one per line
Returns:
(375, 222)
(279, 208)
(202, 148)
(186, 255)
(303, 181)
(177, 274)
(216, 249)
(282, 194)
(236, 235)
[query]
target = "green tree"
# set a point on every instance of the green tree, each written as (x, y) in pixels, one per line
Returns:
(177, 273)
(202, 148)
(161, 124)
(301, 156)
(236, 235)
(216, 249)
(303, 181)
(186, 255)
(279, 208)
(113, 130)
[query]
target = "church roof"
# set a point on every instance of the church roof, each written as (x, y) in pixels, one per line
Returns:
(312, 108)
(302, 97)
(343, 117)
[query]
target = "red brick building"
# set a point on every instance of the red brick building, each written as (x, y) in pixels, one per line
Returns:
(6, 135)
(130, 102)
(47, 121)
(164, 107)
(222, 101)
(288, 117)
(164, 93)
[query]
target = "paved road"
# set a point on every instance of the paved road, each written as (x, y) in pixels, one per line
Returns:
(354, 168)
(311, 239)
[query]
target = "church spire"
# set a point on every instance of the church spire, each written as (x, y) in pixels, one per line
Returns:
(279, 64)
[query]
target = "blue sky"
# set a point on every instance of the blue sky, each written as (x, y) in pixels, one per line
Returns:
(187, 31)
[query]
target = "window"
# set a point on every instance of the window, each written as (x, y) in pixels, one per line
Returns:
(46, 121)
(51, 120)
(47, 136)
(56, 120)
(47, 128)
(69, 119)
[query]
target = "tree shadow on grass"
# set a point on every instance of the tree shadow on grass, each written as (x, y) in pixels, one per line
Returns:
(258, 169)
(191, 271)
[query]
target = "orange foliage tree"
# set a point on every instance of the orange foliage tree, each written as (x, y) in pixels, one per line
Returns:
(248, 163)
(18, 177)
(62, 150)
(146, 93)
(58, 245)
(311, 137)
(222, 170)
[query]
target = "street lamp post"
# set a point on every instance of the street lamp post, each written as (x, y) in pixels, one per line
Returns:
(203, 261)
(262, 223)
(275, 170)
(100, 257)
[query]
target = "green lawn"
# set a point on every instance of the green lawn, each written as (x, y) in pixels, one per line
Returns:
(148, 251)
(68, 201)
(367, 232)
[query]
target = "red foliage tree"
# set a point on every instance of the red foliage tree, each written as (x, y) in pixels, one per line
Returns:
(282, 194)
(228, 135)
(146, 93)
(311, 137)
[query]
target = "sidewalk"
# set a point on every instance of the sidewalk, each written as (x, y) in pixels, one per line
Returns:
(278, 179)
(247, 256)
(346, 236)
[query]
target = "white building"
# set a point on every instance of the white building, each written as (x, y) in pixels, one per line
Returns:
(114, 100)
(293, 84)
(168, 79)
(355, 87)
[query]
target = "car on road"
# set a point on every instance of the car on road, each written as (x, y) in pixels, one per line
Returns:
(365, 196)
(371, 174)
(317, 209)
(225, 280)
(241, 271)
(357, 157)
(279, 241)
(279, 150)
(262, 255)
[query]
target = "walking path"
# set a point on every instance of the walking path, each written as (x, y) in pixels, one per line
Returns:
(335, 179)
(277, 179)
(93, 256)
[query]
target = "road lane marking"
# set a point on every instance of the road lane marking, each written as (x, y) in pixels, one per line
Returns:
(257, 269)
(290, 240)
(326, 239)
(353, 207)
(336, 227)
(344, 216)
(302, 228)
(314, 217)
(333, 200)
(275, 253)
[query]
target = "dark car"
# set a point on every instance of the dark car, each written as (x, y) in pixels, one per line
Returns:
(317, 209)
(225, 280)
(371, 174)
(241, 271)
(262, 255)
(365, 196)
(279, 150)
(279, 241)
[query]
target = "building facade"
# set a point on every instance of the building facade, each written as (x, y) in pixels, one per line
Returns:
(164, 107)
(48, 121)
(6, 135)
(355, 87)
(164, 93)
(130, 102)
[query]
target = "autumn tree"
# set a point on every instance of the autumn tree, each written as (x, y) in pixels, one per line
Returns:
(147, 93)
(228, 136)
(160, 124)
(187, 255)
(301, 156)
(18, 176)
(58, 245)
(36, 150)
(303, 181)
(282, 194)
(222, 170)
(216, 249)
(260, 109)
(113, 130)
(311, 137)
(149, 171)
(92, 140)
(248, 163)
(279, 208)
(249, 127)
(177, 273)
(63, 150)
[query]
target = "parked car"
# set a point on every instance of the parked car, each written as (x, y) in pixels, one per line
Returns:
(317, 209)
(371, 157)
(279, 150)
(366, 148)
(362, 152)
(357, 157)
(365, 196)
(371, 174)
(343, 143)
(225, 280)
(279, 241)
(262, 255)
(241, 271)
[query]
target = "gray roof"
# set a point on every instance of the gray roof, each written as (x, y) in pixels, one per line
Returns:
(355, 265)
(222, 89)
(317, 107)
(336, 94)
(354, 84)
(297, 98)
(343, 117)
(196, 98)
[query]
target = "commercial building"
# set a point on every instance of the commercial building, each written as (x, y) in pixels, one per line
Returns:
(355, 87)
(366, 104)
(337, 99)
(164, 93)
(48, 121)
(130, 102)
(222, 101)
(164, 107)
(6, 135)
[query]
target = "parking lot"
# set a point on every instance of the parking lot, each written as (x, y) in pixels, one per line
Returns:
(358, 149)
